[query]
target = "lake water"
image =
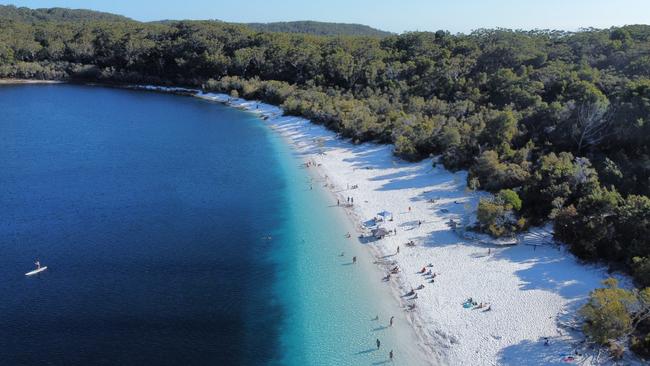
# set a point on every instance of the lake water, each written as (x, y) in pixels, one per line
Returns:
(176, 232)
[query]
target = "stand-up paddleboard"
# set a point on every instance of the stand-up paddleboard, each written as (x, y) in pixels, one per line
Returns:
(36, 271)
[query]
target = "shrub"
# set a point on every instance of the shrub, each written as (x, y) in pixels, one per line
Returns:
(607, 313)
(641, 270)
(511, 198)
(496, 216)
(613, 314)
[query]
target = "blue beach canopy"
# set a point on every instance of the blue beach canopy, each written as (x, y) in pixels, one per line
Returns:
(385, 214)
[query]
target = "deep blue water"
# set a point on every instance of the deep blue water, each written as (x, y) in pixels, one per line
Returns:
(176, 232)
(141, 204)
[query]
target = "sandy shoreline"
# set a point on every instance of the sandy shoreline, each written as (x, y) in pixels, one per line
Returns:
(532, 290)
(414, 339)
(28, 81)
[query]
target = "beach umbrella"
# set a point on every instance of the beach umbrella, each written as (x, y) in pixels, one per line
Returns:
(385, 214)
(379, 233)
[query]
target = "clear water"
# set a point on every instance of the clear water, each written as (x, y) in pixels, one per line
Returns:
(177, 232)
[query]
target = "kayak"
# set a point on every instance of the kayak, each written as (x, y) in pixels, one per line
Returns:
(36, 271)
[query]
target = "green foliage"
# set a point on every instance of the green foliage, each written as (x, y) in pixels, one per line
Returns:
(319, 28)
(613, 314)
(496, 216)
(605, 225)
(641, 270)
(492, 174)
(404, 148)
(558, 181)
(510, 198)
(10, 12)
(608, 313)
(500, 129)
(589, 228)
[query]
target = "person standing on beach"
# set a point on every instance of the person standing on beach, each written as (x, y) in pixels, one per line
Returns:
(398, 249)
(390, 355)
(390, 322)
(378, 343)
(354, 260)
(338, 203)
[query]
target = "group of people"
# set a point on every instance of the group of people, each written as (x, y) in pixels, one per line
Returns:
(471, 303)
(392, 271)
(378, 342)
(428, 273)
(350, 201)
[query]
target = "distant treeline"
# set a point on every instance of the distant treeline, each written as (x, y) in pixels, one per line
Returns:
(22, 14)
(556, 123)
(319, 28)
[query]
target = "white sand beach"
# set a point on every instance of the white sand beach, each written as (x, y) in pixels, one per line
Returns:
(524, 297)
(28, 81)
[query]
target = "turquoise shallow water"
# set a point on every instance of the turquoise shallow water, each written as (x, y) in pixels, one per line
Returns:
(330, 303)
(153, 213)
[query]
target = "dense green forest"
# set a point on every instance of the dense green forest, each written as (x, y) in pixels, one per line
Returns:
(10, 12)
(557, 124)
(319, 28)
(22, 14)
